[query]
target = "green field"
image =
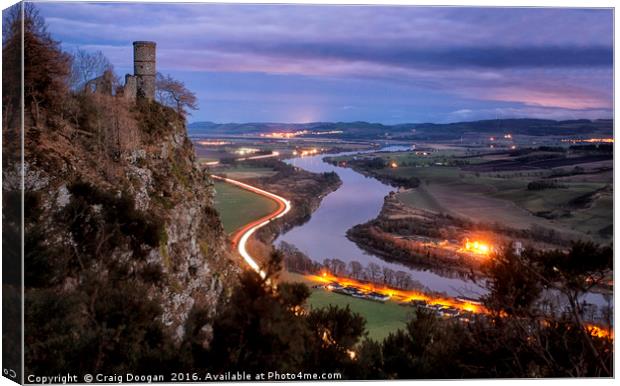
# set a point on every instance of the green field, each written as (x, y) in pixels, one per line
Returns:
(499, 197)
(381, 318)
(507, 200)
(238, 207)
(420, 198)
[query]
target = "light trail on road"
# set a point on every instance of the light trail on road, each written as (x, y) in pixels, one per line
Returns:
(241, 237)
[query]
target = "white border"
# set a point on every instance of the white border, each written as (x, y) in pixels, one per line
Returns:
(471, 3)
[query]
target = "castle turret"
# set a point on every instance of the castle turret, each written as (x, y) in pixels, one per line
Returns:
(144, 68)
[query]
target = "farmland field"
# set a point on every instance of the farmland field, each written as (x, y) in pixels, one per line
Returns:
(503, 195)
(420, 198)
(509, 201)
(238, 207)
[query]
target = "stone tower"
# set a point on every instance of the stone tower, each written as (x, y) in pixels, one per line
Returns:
(144, 68)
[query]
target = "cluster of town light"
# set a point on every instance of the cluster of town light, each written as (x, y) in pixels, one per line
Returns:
(589, 140)
(284, 134)
(293, 134)
(213, 143)
(246, 150)
(304, 153)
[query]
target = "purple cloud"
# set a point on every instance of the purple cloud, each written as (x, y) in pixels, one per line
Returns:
(544, 58)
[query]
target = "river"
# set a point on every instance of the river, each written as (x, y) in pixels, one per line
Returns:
(358, 200)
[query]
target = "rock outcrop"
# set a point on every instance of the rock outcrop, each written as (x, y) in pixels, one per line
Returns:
(145, 206)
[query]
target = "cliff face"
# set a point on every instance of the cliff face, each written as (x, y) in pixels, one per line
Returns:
(116, 198)
(124, 257)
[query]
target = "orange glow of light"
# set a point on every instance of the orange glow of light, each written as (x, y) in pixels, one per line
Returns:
(477, 247)
(304, 153)
(397, 294)
(599, 332)
(406, 296)
(589, 140)
(393, 164)
(352, 354)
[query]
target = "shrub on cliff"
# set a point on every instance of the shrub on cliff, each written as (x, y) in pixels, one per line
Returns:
(154, 118)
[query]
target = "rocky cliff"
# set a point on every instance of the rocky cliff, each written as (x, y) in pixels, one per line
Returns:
(120, 226)
(124, 258)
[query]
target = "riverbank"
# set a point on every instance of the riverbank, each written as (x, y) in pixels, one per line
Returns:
(371, 166)
(424, 239)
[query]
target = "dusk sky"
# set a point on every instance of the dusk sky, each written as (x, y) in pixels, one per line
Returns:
(302, 63)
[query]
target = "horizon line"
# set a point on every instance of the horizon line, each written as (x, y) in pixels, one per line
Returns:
(402, 123)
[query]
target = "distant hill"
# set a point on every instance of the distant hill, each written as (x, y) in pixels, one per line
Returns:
(534, 127)
(367, 130)
(266, 127)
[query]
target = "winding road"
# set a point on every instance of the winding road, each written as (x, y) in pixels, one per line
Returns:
(240, 238)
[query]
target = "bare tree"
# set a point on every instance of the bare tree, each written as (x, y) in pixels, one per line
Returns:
(388, 275)
(327, 263)
(374, 272)
(173, 93)
(12, 21)
(356, 269)
(339, 267)
(86, 66)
